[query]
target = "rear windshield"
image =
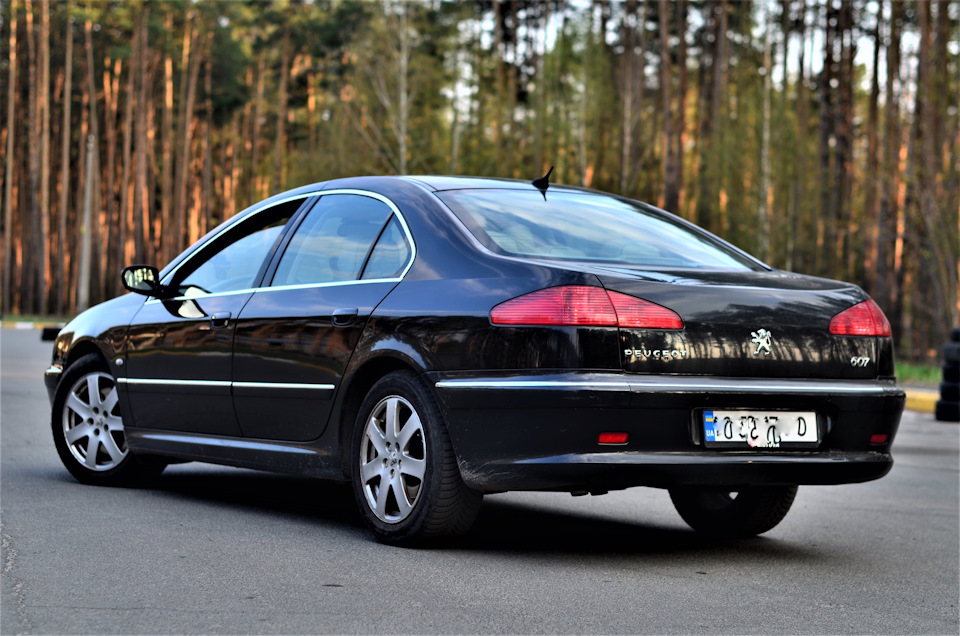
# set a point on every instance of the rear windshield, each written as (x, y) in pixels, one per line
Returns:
(587, 227)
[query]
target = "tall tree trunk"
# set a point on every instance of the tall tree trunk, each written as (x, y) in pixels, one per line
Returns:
(280, 146)
(77, 217)
(797, 206)
(636, 158)
(63, 254)
(680, 124)
(890, 240)
(949, 133)
(168, 244)
(111, 85)
(9, 165)
(141, 203)
(872, 177)
(843, 165)
(207, 174)
(627, 73)
(403, 95)
(93, 228)
(670, 193)
(231, 169)
(939, 269)
(542, 87)
(125, 251)
(511, 140)
(826, 219)
(191, 70)
(43, 282)
(499, 55)
(257, 115)
(31, 212)
(763, 209)
(712, 90)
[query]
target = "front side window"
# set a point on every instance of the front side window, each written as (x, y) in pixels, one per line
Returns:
(334, 241)
(580, 226)
(232, 262)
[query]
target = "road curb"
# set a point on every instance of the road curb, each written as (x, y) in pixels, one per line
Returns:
(922, 400)
(15, 324)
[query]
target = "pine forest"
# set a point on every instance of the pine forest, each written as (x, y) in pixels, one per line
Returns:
(822, 136)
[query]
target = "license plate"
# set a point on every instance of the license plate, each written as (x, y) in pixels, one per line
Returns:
(760, 429)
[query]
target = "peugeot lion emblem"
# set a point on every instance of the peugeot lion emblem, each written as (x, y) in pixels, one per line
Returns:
(761, 338)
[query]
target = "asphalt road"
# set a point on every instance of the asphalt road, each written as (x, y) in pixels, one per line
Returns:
(225, 551)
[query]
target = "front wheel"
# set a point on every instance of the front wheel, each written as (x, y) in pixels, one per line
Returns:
(404, 471)
(746, 512)
(88, 429)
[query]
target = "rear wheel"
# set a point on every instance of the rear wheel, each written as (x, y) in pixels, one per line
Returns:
(746, 512)
(405, 475)
(88, 429)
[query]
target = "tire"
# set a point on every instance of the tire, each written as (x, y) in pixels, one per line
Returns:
(951, 373)
(400, 440)
(88, 429)
(947, 411)
(951, 352)
(950, 392)
(750, 511)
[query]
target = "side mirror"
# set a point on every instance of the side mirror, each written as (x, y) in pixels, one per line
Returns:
(141, 279)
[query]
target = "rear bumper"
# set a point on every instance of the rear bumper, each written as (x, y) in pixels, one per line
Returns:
(540, 431)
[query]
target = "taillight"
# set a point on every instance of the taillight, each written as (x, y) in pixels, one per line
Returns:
(582, 305)
(574, 305)
(864, 319)
(643, 314)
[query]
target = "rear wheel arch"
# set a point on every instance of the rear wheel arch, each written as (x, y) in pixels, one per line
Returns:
(361, 381)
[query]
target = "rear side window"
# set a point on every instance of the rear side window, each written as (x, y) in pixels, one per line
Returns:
(390, 255)
(587, 227)
(333, 241)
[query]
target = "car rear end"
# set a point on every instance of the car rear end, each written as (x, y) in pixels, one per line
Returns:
(726, 373)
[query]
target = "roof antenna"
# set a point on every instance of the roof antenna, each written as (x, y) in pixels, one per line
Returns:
(543, 183)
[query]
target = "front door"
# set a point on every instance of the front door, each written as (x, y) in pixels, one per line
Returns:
(179, 349)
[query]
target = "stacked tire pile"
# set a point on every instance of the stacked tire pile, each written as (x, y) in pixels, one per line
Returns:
(948, 408)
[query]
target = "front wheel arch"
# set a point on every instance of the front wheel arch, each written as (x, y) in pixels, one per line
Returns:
(88, 428)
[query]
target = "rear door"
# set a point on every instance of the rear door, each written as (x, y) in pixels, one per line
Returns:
(296, 335)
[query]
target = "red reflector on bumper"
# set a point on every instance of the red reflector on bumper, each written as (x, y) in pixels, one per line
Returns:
(613, 438)
(878, 438)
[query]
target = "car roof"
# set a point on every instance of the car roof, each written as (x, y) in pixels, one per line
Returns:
(442, 182)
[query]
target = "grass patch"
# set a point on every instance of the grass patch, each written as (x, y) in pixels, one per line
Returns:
(920, 374)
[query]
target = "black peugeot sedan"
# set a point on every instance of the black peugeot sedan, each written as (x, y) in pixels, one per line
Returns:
(432, 339)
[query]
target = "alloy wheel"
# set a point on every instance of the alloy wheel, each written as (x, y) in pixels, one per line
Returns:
(393, 453)
(92, 425)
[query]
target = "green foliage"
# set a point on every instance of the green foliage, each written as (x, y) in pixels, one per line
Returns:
(919, 374)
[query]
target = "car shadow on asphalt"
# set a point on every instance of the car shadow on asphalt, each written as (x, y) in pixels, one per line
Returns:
(515, 527)
(502, 527)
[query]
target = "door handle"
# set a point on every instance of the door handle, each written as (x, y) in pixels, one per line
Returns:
(220, 319)
(345, 316)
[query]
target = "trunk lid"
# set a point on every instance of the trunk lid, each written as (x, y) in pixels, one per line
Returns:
(768, 324)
